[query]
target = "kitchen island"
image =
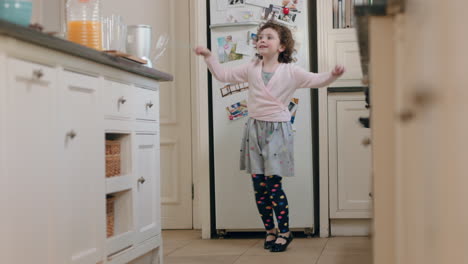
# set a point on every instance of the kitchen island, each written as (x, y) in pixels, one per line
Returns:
(80, 154)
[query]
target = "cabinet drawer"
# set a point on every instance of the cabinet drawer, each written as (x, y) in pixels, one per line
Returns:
(80, 82)
(118, 99)
(147, 104)
(31, 72)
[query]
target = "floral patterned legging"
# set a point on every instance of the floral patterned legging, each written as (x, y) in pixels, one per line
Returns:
(269, 196)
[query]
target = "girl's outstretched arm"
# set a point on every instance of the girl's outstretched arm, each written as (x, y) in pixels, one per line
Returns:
(307, 79)
(232, 75)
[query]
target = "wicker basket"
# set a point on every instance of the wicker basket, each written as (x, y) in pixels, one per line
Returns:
(112, 147)
(112, 158)
(110, 215)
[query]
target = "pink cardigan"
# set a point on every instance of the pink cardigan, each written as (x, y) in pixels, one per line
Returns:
(270, 102)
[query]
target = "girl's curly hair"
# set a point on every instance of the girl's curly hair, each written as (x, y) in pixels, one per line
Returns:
(286, 40)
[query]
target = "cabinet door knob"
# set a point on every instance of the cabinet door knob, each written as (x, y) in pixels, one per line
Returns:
(71, 134)
(122, 100)
(406, 115)
(141, 180)
(420, 100)
(38, 74)
(149, 105)
(366, 142)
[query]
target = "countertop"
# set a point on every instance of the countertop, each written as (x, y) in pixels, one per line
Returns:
(58, 44)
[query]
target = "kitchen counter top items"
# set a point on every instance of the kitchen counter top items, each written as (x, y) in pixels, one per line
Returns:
(45, 40)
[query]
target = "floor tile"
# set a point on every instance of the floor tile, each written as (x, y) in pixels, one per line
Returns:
(348, 245)
(175, 244)
(175, 239)
(181, 234)
(168, 250)
(187, 247)
(345, 259)
(200, 259)
(215, 247)
(276, 258)
(303, 246)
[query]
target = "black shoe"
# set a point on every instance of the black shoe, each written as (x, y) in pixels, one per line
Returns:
(269, 244)
(282, 247)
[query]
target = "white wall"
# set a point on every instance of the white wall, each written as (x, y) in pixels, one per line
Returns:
(149, 12)
(48, 13)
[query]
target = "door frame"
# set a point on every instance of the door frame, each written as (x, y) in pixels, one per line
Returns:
(200, 121)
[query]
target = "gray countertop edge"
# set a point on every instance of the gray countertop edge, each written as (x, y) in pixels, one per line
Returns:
(346, 89)
(58, 44)
(371, 10)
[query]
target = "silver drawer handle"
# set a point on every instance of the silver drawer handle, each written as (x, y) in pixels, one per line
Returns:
(122, 100)
(38, 74)
(149, 105)
(141, 180)
(71, 134)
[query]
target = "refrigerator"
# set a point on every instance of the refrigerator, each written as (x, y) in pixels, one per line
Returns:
(232, 25)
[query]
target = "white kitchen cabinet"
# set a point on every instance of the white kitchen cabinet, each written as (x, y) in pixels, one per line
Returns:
(81, 168)
(343, 50)
(119, 100)
(146, 104)
(140, 196)
(147, 206)
(349, 157)
(27, 135)
(338, 45)
(54, 119)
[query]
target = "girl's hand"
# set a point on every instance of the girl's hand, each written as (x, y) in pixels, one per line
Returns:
(338, 70)
(200, 50)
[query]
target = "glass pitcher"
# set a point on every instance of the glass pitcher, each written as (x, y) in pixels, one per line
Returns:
(83, 22)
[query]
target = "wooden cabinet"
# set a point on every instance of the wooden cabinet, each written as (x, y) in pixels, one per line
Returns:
(54, 121)
(349, 157)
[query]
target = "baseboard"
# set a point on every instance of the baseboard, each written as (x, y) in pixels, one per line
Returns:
(350, 227)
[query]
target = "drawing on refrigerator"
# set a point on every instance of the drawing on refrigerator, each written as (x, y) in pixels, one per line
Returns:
(233, 39)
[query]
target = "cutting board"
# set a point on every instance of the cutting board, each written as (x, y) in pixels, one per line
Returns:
(126, 56)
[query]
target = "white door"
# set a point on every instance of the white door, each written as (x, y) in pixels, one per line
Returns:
(27, 137)
(175, 113)
(349, 159)
(147, 205)
(82, 181)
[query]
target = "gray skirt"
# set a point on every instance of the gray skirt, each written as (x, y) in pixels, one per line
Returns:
(267, 148)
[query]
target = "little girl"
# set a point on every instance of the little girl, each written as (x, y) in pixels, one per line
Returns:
(267, 147)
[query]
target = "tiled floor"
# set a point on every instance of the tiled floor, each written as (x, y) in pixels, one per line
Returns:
(186, 247)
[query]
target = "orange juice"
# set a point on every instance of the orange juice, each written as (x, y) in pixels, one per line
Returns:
(86, 33)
